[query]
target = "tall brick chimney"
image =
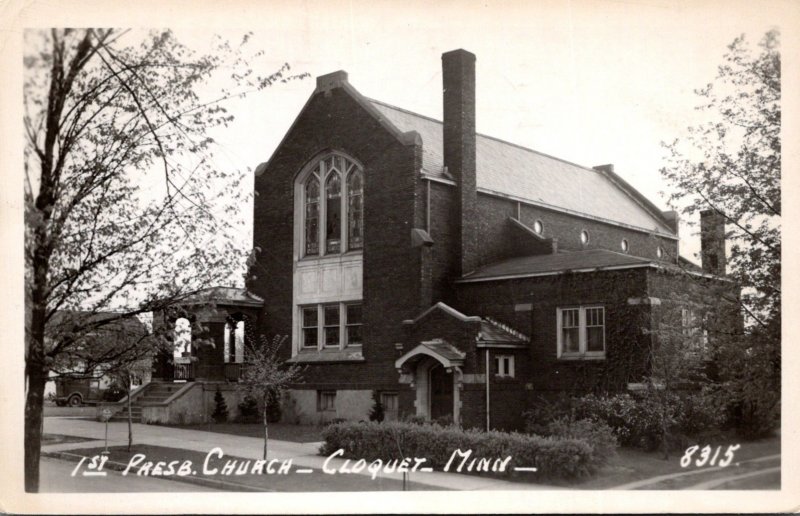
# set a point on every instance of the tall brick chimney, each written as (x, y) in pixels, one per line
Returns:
(712, 242)
(458, 78)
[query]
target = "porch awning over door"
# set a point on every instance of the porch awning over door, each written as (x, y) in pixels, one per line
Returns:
(447, 354)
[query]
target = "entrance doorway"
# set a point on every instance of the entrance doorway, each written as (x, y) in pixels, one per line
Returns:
(441, 388)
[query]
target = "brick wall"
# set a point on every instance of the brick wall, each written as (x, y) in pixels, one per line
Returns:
(334, 120)
(625, 342)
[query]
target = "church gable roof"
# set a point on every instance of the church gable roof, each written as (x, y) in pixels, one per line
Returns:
(508, 169)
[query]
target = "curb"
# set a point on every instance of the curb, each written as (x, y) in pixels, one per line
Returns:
(201, 481)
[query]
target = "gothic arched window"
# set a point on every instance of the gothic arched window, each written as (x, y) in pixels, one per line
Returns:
(333, 206)
(312, 215)
(355, 209)
(333, 213)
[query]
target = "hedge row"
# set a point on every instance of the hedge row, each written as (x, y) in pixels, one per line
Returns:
(554, 458)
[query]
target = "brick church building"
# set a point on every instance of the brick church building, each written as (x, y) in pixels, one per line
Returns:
(452, 274)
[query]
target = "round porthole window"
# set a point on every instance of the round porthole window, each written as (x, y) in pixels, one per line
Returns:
(538, 227)
(624, 245)
(660, 252)
(584, 237)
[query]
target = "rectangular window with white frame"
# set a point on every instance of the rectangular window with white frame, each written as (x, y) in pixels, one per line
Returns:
(330, 326)
(581, 332)
(504, 366)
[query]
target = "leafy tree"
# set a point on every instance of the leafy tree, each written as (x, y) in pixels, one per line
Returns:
(266, 376)
(120, 185)
(731, 164)
(676, 355)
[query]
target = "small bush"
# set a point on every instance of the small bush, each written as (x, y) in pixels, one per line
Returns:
(220, 414)
(248, 410)
(376, 413)
(563, 458)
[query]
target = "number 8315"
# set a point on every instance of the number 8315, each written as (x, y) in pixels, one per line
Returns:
(708, 456)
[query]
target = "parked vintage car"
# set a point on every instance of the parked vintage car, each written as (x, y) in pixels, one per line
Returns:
(76, 392)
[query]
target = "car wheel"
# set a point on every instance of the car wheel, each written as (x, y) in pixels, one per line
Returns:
(74, 401)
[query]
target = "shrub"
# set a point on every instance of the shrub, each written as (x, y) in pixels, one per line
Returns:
(376, 412)
(546, 410)
(416, 420)
(564, 458)
(598, 434)
(248, 410)
(220, 414)
(701, 414)
(634, 418)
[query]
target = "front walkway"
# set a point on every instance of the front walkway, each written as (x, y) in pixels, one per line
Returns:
(303, 455)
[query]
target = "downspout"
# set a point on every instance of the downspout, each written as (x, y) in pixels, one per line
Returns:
(488, 411)
(428, 208)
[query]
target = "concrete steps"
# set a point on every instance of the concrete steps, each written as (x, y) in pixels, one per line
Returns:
(154, 392)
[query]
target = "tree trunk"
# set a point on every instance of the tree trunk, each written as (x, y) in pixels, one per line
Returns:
(266, 429)
(34, 401)
(36, 376)
(130, 416)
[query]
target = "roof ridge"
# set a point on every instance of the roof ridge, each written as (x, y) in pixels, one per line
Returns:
(490, 137)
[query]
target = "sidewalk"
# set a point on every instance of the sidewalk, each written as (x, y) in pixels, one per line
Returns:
(303, 455)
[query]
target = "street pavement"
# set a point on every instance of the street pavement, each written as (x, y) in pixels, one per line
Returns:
(55, 477)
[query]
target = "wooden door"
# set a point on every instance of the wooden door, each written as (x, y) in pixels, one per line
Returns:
(441, 385)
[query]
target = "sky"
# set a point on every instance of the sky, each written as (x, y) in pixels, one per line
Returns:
(589, 82)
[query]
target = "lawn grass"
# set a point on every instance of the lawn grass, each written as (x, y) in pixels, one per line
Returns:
(277, 431)
(291, 482)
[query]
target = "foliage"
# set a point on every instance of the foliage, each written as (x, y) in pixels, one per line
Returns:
(220, 414)
(376, 411)
(248, 410)
(596, 433)
(266, 376)
(562, 458)
(635, 419)
(125, 209)
(731, 164)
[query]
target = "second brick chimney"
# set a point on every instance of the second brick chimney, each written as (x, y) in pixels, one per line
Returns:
(712, 242)
(458, 78)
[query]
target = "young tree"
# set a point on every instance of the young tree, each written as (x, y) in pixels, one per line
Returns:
(266, 377)
(731, 165)
(678, 348)
(125, 210)
(130, 372)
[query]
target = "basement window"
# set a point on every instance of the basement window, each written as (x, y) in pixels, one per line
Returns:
(624, 245)
(326, 401)
(584, 237)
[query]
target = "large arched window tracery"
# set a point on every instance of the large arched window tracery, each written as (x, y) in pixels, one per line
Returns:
(333, 207)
